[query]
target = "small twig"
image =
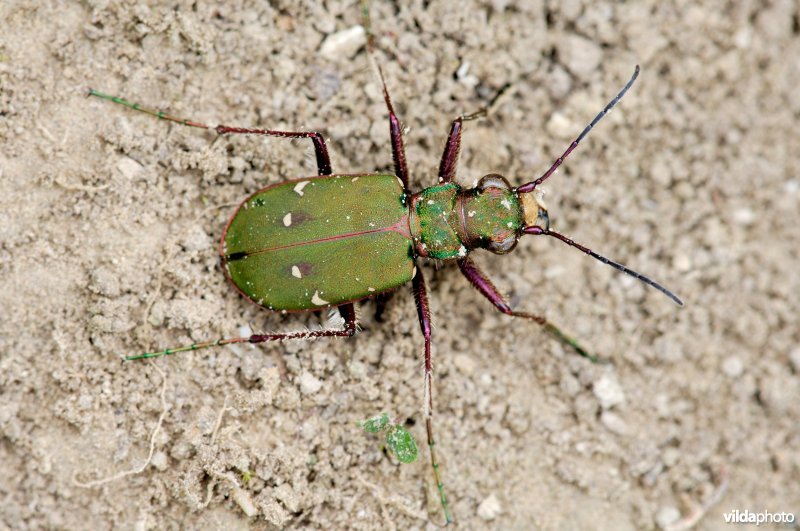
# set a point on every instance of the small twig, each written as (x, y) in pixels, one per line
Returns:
(139, 469)
(700, 510)
(219, 419)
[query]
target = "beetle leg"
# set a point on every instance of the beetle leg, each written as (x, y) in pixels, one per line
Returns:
(320, 149)
(347, 312)
(423, 311)
(396, 134)
(449, 162)
(395, 130)
(482, 283)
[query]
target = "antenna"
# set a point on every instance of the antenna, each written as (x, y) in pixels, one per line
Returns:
(529, 187)
(619, 267)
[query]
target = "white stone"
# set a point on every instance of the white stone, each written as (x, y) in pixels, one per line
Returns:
(244, 501)
(608, 391)
(614, 423)
(666, 516)
(489, 508)
(794, 359)
(343, 44)
(732, 367)
(309, 384)
(129, 168)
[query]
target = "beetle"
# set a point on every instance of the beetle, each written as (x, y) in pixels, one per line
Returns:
(315, 243)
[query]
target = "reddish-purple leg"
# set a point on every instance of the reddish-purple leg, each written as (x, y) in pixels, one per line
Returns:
(396, 133)
(320, 149)
(482, 283)
(347, 312)
(424, 314)
(452, 148)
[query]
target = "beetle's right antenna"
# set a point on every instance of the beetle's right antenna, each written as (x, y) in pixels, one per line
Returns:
(619, 267)
(529, 187)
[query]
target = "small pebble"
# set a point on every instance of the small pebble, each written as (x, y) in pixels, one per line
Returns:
(794, 359)
(580, 55)
(465, 364)
(744, 216)
(244, 501)
(559, 125)
(666, 516)
(608, 391)
(129, 168)
(343, 44)
(682, 263)
(309, 384)
(159, 460)
(732, 367)
(614, 423)
(489, 508)
(104, 282)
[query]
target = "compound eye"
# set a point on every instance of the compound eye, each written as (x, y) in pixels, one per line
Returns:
(493, 180)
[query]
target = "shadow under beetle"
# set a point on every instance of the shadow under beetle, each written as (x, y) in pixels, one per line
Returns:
(328, 241)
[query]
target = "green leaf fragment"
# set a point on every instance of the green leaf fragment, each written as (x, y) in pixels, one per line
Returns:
(402, 444)
(375, 424)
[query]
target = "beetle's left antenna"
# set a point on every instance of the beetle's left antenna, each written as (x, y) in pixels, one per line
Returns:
(529, 187)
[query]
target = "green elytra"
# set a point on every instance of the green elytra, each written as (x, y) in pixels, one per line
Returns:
(330, 240)
(312, 243)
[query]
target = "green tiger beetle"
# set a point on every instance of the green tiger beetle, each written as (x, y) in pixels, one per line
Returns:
(330, 240)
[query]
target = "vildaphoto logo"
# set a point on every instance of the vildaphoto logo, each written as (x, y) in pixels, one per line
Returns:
(763, 517)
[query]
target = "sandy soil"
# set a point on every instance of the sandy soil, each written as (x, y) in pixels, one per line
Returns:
(109, 221)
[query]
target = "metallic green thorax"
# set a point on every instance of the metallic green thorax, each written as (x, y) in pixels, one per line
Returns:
(435, 223)
(320, 242)
(448, 221)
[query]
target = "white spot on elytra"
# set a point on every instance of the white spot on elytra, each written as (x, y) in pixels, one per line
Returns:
(370, 289)
(430, 201)
(287, 219)
(414, 272)
(471, 213)
(506, 203)
(462, 251)
(299, 187)
(319, 301)
(509, 224)
(296, 272)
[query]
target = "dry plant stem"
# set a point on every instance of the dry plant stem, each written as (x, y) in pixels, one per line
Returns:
(700, 510)
(139, 469)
